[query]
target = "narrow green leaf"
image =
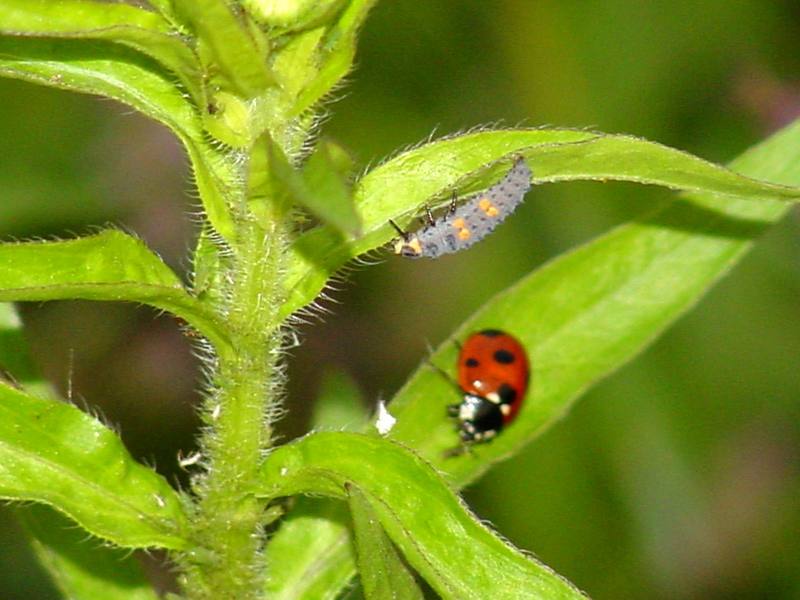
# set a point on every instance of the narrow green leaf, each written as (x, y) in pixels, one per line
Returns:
(295, 65)
(588, 312)
(668, 260)
(338, 406)
(335, 54)
(383, 574)
(310, 557)
(51, 452)
(108, 266)
(292, 16)
(81, 568)
(398, 188)
(230, 44)
(16, 364)
(319, 188)
(120, 74)
(142, 30)
(447, 545)
(165, 9)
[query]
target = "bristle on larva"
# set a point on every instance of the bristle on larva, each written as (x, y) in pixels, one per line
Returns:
(465, 224)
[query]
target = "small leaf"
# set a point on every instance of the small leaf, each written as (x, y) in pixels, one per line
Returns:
(295, 64)
(339, 403)
(398, 188)
(291, 16)
(330, 199)
(315, 533)
(125, 76)
(447, 545)
(383, 574)
(335, 54)
(51, 452)
(318, 187)
(166, 9)
(107, 266)
(16, 364)
(81, 568)
(142, 30)
(237, 56)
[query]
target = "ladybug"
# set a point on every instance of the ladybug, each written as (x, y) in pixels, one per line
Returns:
(462, 226)
(493, 373)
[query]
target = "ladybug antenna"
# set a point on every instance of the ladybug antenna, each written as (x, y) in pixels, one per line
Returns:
(400, 232)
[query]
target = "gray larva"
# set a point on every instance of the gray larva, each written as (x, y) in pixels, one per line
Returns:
(462, 226)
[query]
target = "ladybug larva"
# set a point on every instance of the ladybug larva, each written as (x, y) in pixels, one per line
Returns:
(462, 226)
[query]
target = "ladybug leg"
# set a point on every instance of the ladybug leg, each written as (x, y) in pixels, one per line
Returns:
(455, 451)
(400, 232)
(460, 450)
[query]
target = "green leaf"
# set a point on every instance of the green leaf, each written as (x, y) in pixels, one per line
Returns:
(449, 547)
(240, 60)
(142, 30)
(384, 576)
(51, 452)
(16, 363)
(319, 188)
(334, 56)
(80, 567)
(398, 188)
(588, 312)
(315, 533)
(108, 266)
(165, 9)
(120, 74)
(295, 65)
(640, 277)
(291, 16)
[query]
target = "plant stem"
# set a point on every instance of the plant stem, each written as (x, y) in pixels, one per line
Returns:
(246, 389)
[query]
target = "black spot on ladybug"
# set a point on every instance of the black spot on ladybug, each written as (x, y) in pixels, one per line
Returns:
(472, 362)
(504, 357)
(507, 394)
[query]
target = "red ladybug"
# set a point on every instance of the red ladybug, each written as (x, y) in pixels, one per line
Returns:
(493, 373)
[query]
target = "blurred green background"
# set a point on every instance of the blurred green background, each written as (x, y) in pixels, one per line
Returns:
(677, 477)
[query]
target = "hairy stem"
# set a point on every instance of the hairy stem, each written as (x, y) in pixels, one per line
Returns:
(247, 381)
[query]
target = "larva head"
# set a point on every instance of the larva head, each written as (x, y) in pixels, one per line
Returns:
(408, 246)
